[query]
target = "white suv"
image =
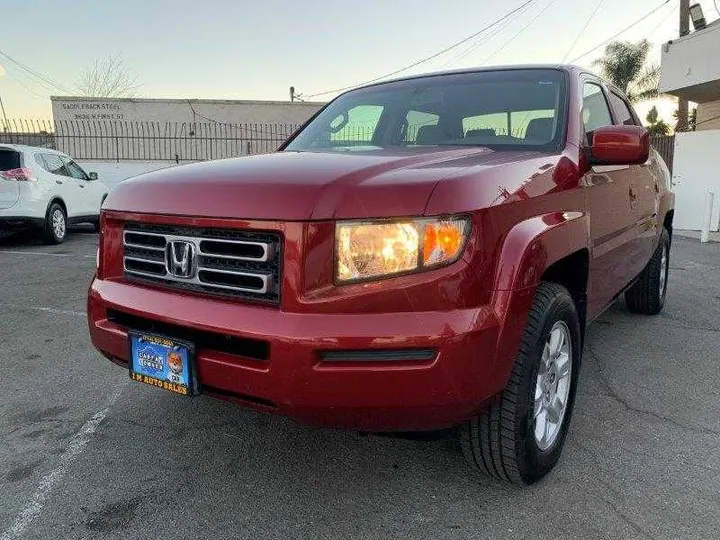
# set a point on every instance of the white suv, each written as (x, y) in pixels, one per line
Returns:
(45, 188)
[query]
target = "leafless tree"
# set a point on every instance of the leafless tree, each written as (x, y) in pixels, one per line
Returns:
(109, 77)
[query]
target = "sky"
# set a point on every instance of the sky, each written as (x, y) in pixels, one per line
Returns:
(238, 49)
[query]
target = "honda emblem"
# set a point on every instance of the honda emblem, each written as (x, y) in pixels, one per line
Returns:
(180, 259)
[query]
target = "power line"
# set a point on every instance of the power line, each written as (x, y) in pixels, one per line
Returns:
(658, 25)
(608, 40)
(535, 18)
(581, 32)
(37, 74)
(43, 85)
(428, 58)
(473, 46)
(483, 40)
(21, 83)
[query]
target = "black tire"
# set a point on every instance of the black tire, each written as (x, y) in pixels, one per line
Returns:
(647, 294)
(52, 234)
(502, 441)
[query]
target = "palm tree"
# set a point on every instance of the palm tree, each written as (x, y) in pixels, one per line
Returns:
(656, 125)
(623, 64)
(692, 119)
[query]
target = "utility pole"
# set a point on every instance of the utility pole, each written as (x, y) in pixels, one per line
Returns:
(684, 28)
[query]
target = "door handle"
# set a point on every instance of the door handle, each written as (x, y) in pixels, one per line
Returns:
(633, 193)
(81, 186)
(58, 182)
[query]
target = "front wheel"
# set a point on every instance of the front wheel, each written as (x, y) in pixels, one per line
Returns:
(647, 295)
(520, 437)
(55, 225)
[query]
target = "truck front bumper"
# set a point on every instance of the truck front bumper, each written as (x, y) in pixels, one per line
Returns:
(368, 372)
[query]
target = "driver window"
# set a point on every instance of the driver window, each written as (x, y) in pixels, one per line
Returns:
(74, 169)
(357, 126)
(595, 111)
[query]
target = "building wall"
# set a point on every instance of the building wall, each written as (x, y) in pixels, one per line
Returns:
(694, 175)
(181, 110)
(173, 129)
(708, 115)
(691, 65)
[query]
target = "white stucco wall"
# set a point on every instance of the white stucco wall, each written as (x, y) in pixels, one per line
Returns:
(182, 110)
(691, 65)
(695, 172)
(708, 114)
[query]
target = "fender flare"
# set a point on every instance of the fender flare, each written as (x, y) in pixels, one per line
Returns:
(528, 250)
(56, 199)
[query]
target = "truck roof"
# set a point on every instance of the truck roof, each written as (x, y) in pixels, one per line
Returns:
(569, 68)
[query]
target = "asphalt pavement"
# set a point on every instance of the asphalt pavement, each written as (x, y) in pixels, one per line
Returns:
(85, 453)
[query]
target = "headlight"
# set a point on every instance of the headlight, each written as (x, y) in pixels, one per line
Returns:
(366, 250)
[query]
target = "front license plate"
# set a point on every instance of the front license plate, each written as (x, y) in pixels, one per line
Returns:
(163, 362)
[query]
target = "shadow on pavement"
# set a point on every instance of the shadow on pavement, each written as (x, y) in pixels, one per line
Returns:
(33, 237)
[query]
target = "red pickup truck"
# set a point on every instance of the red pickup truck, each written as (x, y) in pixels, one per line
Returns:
(424, 253)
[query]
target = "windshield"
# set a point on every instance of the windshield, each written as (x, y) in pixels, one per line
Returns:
(513, 109)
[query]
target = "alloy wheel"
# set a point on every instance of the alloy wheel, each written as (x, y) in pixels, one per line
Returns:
(58, 223)
(663, 270)
(552, 387)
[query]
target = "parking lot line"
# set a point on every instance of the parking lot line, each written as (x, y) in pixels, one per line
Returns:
(75, 447)
(34, 253)
(11, 252)
(45, 309)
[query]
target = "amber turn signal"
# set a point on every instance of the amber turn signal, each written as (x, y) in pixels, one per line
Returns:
(442, 241)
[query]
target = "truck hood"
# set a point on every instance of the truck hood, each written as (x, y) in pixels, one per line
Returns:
(330, 185)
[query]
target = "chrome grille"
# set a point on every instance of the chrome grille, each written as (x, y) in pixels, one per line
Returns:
(222, 261)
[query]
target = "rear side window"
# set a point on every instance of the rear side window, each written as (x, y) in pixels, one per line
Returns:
(9, 159)
(54, 164)
(595, 112)
(622, 110)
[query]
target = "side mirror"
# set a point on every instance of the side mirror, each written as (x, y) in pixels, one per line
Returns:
(92, 176)
(620, 145)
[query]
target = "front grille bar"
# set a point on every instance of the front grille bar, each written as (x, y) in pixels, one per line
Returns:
(201, 245)
(147, 259)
